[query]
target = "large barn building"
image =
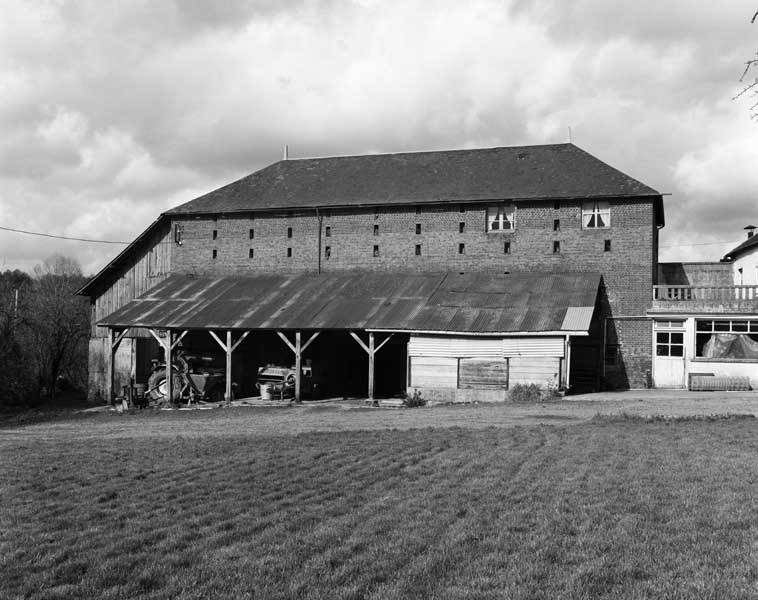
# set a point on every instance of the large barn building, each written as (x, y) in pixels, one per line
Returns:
(458, 273)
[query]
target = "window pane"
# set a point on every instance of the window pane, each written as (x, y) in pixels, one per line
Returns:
(600, 221)
(662, 350)
(721, 325)
(739, 326)
(677, 338)
(705, 325)
(662, 338)
(677, 350)
(754, 326)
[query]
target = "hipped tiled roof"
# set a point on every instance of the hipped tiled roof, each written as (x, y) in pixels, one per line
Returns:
(522, 172)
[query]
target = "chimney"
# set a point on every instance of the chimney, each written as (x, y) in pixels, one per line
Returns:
(286, 152)
(749, 230)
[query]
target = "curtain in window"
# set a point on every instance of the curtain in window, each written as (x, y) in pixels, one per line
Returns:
(730, 345)
(596, 214)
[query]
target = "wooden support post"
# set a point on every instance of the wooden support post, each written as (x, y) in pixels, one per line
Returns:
(169, 368)
(371, 353)
(114, 340)
(298, 366)
(298, 348)
(229, 349)
(371, 350)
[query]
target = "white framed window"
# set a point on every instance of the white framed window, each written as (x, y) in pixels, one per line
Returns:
(596, 213)
(501, 217)
(669, 338)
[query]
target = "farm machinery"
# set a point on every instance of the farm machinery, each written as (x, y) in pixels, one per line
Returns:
(193, 379)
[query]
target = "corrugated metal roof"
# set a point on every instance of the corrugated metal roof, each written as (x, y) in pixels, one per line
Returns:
(520, 172)
(578, 318)
(363, 301)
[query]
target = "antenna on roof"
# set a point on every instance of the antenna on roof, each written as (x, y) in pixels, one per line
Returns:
(286, 151)
(569, 128)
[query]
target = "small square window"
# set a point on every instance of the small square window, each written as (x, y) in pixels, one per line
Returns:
(327, 251)
(556, 224)
(289, 232)
(418, 249)
(507, 248)
(215, 234)
(556, 247)
(596, 214)
(418, 228)
(376, 251)
(376, 229)
(461, 227)
(252, 234)
(557, 205)
(607, 246)
(215, 253)
(328, 231)
(501, 217)
(461, 248)
(251, 253)
(289, 252)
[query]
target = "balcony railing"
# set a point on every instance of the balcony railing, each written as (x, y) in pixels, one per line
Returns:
(697, 293)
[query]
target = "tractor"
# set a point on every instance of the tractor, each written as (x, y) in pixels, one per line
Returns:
(193, 379)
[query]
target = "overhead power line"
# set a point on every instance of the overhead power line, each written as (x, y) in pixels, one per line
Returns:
(63, 237)
(698, 244)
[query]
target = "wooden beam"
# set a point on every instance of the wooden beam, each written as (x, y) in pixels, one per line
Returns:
(109, 368)
(229, 350)
(157, 337)
(239, 341)
(310, 339)
(387, 339)
(215, 337)
(117, 340)
(298, 366)
(360, 341)
(286, 341)
(179, 339)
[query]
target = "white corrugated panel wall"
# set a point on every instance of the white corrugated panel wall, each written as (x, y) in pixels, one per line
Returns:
(533, 346)
(458, 347)
(434, 372)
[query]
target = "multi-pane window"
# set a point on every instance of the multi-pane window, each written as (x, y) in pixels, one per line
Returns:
(669, 338)
(726, 338)
(596, 213)
(501, 217)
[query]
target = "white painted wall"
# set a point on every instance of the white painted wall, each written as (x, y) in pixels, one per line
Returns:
(748, 263)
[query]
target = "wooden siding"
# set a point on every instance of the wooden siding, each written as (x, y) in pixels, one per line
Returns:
(542, 371)
(150, 266)
(433, 372)
(533, 346)
(453, 346)
(487, 374)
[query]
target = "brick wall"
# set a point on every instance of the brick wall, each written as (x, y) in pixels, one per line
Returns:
(634, 365)
(354, 234)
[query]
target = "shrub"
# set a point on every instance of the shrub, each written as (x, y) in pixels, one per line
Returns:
(414, 400)
(525, 392)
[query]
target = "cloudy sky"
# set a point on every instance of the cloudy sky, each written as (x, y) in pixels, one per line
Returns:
(114, 111)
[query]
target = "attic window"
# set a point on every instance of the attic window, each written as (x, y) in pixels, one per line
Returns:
(596, 214)
(501, 217)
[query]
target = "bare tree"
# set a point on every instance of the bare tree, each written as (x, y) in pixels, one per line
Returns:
(750, 89)
(59, 325)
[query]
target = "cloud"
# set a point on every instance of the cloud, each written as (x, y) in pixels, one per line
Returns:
(112, 112)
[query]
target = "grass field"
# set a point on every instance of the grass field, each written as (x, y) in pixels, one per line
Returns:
(616, 508)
